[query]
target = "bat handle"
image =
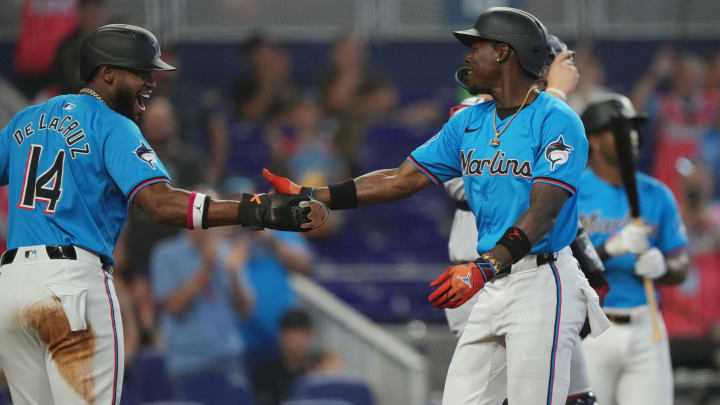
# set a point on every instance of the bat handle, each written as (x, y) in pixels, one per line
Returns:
(650, 296)
(652, 304)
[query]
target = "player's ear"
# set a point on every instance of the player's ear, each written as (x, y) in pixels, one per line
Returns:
(503, 51)
(107, 73)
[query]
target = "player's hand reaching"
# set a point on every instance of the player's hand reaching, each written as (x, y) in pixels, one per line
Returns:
(457, 284)
(651, 264)
(283, 212)
(632, 238)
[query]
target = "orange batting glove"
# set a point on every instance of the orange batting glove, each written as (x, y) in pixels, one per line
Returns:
(457, 284)
(283, 185)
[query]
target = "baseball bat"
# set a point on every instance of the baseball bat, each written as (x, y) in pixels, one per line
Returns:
(626, 161)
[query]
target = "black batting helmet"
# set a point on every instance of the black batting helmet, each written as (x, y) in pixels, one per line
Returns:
(120, 45)
(525, 34)
(609, 111)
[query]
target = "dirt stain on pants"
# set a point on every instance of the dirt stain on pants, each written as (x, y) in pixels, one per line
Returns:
(71, 351)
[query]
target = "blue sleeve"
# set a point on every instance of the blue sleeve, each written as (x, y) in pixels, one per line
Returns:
(163, 276)
(129, 159)
(672, 234)
(563, 151)
(5, 155)
(439, 157)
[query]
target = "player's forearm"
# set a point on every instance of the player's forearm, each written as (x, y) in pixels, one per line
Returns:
(546, 202)
(167, 205)
(678, 265)
(383, 186)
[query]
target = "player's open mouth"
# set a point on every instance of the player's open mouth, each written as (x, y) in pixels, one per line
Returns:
(140, 101)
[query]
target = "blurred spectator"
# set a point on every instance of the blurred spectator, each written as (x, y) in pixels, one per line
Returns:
(591, 85)
(267, 88)
(183, 162)
(199, 280)
(43, 24)
(350, 86)
(678, 116)
(355, 92)
(262, 94)
(710, 154)
(66, 65)
(274, 378)
(310, 153)
(692, 309)
(273, 255)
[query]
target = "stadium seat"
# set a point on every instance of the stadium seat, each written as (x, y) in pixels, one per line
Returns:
(333, 386)
(148, 380)
(215, 390)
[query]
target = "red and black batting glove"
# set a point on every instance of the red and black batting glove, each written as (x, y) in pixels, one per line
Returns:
(457, 284)
(283, 185)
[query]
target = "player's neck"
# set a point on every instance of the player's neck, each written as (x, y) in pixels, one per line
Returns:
(101, 91)
(512, 93)
(606, 171)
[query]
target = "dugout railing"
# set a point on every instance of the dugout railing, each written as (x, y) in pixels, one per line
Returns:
(396, 372)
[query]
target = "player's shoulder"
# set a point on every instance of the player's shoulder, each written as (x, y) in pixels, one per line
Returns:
(651, 185)
(557, 109)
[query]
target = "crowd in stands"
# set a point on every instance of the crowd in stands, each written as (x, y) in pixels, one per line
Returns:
(219, 301)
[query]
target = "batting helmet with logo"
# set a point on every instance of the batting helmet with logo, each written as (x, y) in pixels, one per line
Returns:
(525, 34)
(120, 45)
(609, 111)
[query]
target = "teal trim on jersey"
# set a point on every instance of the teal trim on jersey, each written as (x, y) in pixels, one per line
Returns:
(72, 164)
(604, 210)
(546, 142)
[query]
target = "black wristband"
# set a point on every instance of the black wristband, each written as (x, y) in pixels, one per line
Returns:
(343, 195)
(515, 240)
(206, 208)
(250, 212)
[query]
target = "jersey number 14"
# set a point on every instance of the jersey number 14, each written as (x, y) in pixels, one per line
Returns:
(46, 187)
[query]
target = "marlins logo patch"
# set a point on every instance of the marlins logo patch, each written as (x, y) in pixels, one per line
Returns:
(557, 152)
(68, 106)
(147, 155)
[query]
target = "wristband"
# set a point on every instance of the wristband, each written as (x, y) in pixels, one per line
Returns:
(196, 210)
(561, 94)
(343, 195)
(206, 208)
(515, 240)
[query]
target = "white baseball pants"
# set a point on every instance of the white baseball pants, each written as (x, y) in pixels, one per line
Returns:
(520, 336)
(626, 366)
(61, 336)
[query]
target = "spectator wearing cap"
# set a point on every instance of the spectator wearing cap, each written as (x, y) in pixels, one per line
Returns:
(274, 378)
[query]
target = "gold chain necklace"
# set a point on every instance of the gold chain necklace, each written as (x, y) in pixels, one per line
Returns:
(496, 141)
(90, 92)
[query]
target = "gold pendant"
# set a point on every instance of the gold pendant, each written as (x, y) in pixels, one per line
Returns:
(495, 142)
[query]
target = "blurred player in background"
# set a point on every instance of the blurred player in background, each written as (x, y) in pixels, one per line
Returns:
(626, 366)
(521, 176)
(73, 165)
(560, 79)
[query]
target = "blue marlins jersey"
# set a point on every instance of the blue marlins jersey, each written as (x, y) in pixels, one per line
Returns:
(604, 210)
(73, 166)
(544, 143)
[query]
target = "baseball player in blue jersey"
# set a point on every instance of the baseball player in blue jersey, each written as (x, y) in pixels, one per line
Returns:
(521, 157)
(73, 165)
(626, 365)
